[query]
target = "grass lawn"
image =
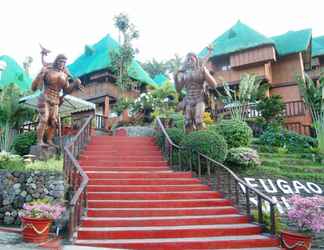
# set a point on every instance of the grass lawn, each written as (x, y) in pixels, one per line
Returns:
(287, 166)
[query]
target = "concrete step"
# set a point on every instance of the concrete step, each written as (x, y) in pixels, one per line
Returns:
(219, 242)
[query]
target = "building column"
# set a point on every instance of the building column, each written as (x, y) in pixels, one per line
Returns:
(106, 111)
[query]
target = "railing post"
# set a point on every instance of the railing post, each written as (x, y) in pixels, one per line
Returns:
(237, 197)
(199, 165)
(260, 212)
(179, 159)
(272, 219)
(247, 200)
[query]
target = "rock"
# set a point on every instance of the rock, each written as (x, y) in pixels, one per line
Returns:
(23, 193)
(36, 195)
(6, 202)
(29, 198)
(33, 185)
(43, 153)
(14, 213)
(8, 220)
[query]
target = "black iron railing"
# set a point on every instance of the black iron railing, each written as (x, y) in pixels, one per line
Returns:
(75, 177)
(218, 176)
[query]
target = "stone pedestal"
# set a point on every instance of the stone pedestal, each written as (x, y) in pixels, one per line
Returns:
(43, 153)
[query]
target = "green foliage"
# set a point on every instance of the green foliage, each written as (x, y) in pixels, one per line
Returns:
(283, 138)
(155, 67)
(267, 218)
(236, 133)
(313, 94)
(12, 115)
(23, 142)
(161, 101)
(177, 119)
(10, 161)
(122, 104)
(238, 102)
(176, 135)
(207, 142)
(271, 109)
(49, 165)
(243, 157)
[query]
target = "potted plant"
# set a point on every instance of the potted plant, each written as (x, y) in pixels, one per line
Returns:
(307, 214)
(37, 218)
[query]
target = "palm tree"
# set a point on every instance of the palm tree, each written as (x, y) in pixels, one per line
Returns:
(12, 115)
(313, 93)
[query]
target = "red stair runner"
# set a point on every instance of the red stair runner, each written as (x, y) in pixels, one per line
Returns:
(137, 202)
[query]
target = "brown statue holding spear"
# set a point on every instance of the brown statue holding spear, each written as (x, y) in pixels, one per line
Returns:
(192, 77)
(53, 78)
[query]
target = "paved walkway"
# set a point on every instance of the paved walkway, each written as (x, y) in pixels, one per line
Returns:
(13, 240)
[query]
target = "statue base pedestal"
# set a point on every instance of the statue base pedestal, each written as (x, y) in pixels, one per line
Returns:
(43, 153)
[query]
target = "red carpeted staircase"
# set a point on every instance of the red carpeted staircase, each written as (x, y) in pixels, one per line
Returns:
(137, 202)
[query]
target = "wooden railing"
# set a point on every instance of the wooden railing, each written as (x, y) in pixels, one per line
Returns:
(293, 108)
(75, 177)
(218, 176)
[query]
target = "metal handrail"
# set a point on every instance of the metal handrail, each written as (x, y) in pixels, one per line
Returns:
(168, 147)
(76, 177)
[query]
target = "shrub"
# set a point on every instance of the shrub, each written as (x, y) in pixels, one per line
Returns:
(236, 133)
(243, 157)
(272, 110)
(10, 161)
(175, 134)
(23, 142)
(207, 142)
(283, 138)
(177, 120)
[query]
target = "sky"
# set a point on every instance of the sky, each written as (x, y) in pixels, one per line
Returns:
(166, 27)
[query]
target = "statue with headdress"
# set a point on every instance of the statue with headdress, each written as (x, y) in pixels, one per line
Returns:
(193, 77)
(51, 80)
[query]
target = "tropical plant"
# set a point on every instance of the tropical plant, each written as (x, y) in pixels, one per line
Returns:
(313, 94)
(122, 57)
(12, 115)
(307, 213)
(10, 161)
(238, 101)
(122, 104)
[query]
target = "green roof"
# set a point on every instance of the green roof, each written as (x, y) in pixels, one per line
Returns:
(238, 37)
(292, 41)
(160, 79)
(318, 46)
(97, 57)
(13, 73)
(241, 37)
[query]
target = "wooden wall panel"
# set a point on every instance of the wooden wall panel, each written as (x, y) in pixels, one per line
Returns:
(235, 75)
(94, 90)
(286, 68)
(289, 93)
(255, 55)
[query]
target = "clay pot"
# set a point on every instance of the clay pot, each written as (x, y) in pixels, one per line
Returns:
(296, 241)
(35, 230)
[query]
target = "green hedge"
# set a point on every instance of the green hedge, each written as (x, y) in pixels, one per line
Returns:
(175, 134)
(207, 142)
(235, 132)
(23, 142)
(283, 138)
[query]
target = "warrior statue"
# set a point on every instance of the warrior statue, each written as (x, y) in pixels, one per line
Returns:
(192, 77)
(52, 79)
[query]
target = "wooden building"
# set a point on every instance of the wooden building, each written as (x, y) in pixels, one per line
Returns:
(277, 60)
(93, 67)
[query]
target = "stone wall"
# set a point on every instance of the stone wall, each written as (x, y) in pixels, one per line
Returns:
(16, 188)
